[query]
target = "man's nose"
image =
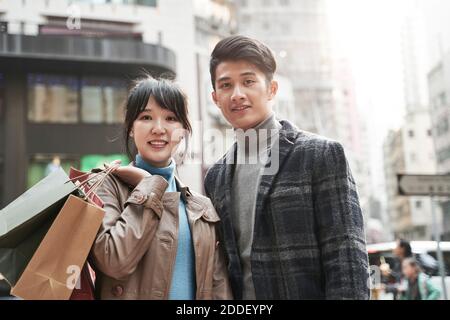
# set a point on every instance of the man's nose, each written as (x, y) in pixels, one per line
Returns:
(238, 95)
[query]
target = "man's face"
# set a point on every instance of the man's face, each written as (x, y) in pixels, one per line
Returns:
(243, 94)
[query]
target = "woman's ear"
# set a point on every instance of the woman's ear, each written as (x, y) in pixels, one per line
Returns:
(131, 134)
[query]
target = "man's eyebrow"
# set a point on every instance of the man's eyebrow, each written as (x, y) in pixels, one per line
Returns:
(245, 74)
(249, 73)
(223, 79)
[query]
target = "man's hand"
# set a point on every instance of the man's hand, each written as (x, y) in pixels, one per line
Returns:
(129, 174)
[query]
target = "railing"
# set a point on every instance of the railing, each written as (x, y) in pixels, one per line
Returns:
(86, 48)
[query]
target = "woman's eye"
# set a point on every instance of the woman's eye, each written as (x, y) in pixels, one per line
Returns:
(172, 119)
(146, 117)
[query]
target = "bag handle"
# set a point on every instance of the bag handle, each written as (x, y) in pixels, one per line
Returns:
(98, 183)
(105, 172)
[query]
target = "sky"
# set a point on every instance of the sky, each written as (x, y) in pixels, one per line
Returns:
(367, 32)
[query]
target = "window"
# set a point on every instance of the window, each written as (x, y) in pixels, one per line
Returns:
(285, 3)
(442, 100)
(102, 100)
(418, 204)
(3, 27)
(57, 99)
(411, 133)
(52, 98)
(429, 133)
(442, 126)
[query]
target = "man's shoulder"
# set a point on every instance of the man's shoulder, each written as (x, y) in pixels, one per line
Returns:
(305, 141)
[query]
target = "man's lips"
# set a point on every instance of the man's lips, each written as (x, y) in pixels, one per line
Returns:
(239, 108)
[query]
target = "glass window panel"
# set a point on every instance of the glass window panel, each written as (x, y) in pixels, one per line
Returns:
(52, 98)
(103, 100)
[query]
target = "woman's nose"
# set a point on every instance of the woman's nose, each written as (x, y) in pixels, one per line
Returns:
(158, 127)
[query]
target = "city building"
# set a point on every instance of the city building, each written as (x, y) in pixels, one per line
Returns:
(297, 32)
(65, 67)
(439, 88)
(65, 70)
(416, 153)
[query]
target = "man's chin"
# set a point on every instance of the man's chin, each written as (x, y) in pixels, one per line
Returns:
(245, 125)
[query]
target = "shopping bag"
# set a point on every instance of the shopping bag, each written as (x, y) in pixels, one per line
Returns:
(56, 265)
(85, 288)
(25, 221)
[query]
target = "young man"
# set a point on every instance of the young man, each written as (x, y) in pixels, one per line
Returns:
(295, 232)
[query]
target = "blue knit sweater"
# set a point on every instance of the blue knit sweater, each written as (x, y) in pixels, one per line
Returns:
(183, 285)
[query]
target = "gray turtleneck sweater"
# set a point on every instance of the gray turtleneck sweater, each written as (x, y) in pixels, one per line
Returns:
(246, 179)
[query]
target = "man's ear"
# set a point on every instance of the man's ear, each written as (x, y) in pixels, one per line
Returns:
(214, 97)
(273, 87)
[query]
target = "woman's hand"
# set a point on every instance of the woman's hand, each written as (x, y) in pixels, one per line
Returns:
(129, 174)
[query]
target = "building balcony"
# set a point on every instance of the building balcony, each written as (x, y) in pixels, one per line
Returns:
(78, 51)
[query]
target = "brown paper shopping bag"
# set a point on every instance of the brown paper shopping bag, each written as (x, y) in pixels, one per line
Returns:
(55, 267)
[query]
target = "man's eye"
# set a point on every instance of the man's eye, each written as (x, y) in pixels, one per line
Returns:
(249, 82)
(225, 85)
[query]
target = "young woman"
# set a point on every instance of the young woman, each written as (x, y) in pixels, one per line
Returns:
(158, 239)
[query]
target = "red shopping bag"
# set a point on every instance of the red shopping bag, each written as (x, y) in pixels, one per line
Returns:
(86, 286)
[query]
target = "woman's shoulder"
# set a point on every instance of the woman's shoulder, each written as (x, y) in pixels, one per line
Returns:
(107, 182)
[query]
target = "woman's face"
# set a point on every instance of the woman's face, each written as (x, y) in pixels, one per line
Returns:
(157, 133)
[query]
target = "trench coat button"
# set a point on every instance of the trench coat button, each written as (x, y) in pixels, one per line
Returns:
(138, 197)
(117, 291)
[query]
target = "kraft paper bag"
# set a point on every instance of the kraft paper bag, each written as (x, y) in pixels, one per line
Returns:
(56, 265)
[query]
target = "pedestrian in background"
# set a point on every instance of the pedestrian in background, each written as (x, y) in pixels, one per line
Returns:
(416, 285)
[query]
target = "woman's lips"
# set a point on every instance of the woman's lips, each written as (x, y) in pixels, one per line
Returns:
(158, 144)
